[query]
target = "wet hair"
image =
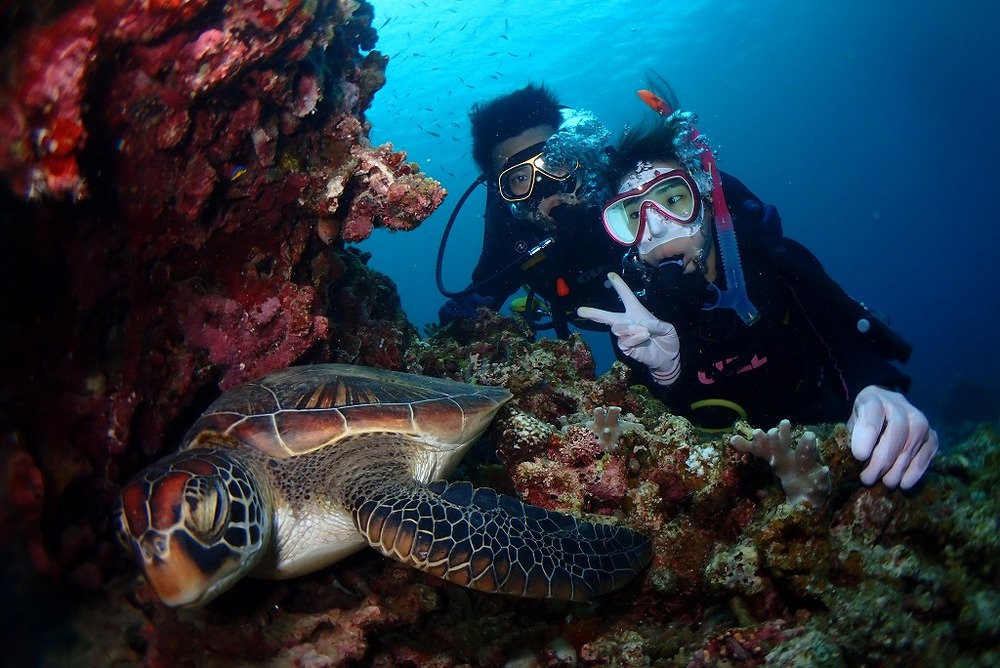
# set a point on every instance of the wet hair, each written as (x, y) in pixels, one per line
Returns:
(642, 143)
(658, 138)
(663, 139)
(508, 116)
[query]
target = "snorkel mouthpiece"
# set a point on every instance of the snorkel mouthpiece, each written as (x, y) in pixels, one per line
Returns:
(735, 295)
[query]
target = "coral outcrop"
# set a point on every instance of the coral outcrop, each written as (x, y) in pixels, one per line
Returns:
(180, 183)
(803, 477)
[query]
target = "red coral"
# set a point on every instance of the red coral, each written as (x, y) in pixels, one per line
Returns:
(742, 647)
(243, 342)
(395, 195)
(578, 446)
(608, 485)
(41, 125)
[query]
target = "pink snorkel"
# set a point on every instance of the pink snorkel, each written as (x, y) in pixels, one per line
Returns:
(735, 294)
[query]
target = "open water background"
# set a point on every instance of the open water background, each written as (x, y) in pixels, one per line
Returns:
(872, 126)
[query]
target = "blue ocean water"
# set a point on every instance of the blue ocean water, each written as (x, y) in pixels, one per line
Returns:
(872, 126)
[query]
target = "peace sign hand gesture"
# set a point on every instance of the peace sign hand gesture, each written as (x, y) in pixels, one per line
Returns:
(641, 335)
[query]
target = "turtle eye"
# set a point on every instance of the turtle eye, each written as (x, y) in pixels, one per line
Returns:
(207, 508)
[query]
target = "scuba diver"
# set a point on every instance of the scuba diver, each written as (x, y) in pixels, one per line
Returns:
(754, 330)
(539, 162)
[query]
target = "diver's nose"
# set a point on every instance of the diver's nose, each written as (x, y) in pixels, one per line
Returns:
(654, 226)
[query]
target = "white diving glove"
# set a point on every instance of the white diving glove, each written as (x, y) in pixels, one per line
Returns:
(641, 335)
(893, 436)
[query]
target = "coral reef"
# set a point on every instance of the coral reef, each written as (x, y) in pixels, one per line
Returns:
(802, 475)
(740, 577)
(181, 181)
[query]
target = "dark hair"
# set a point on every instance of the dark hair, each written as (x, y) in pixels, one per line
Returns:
(642, 143)
(508, 116)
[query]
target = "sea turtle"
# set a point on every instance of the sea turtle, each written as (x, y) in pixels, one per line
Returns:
(293, 472)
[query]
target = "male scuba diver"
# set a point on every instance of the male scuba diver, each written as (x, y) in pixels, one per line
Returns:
(539, 161)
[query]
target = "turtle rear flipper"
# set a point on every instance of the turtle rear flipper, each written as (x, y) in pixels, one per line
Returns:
(493, 542)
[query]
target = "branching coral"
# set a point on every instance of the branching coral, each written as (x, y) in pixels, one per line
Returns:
(802, 475)
(608, 427)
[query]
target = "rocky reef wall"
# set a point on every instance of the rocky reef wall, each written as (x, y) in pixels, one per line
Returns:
(181, 181)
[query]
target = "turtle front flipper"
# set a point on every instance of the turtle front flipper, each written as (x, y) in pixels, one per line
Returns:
(493, 542)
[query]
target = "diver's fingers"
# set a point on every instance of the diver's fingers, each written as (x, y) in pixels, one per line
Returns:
(865, 425)
(921, 461)
(601, 316)
(630, 335)
(633, 307)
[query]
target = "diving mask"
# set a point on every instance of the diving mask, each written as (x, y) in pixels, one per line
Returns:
(528, 169)
(669, 196)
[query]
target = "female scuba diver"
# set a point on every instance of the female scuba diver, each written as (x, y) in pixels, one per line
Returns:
(735, 321)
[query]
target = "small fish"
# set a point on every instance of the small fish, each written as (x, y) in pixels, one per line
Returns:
(432, 134)
(655, 102)
(238, 171)
(385, 23)
(503, 37)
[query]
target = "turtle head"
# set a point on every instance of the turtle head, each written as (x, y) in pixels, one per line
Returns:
(196, 522)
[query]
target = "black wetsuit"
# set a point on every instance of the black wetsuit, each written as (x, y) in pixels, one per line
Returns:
(581, 254)
(805, 359)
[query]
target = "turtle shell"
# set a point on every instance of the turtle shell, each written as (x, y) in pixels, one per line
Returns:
(302, 409)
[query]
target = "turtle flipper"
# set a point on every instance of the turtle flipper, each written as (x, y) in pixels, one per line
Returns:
(493, 542)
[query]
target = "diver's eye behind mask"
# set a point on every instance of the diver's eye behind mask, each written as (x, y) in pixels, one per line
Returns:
(527, 169)
(672, 194)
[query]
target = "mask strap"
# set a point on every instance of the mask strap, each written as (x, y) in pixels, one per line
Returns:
(735, 295)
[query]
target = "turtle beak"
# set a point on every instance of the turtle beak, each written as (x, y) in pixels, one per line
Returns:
(184, 572)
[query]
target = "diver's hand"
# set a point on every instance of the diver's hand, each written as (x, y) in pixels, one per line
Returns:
(893, 436)
(641, 335)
